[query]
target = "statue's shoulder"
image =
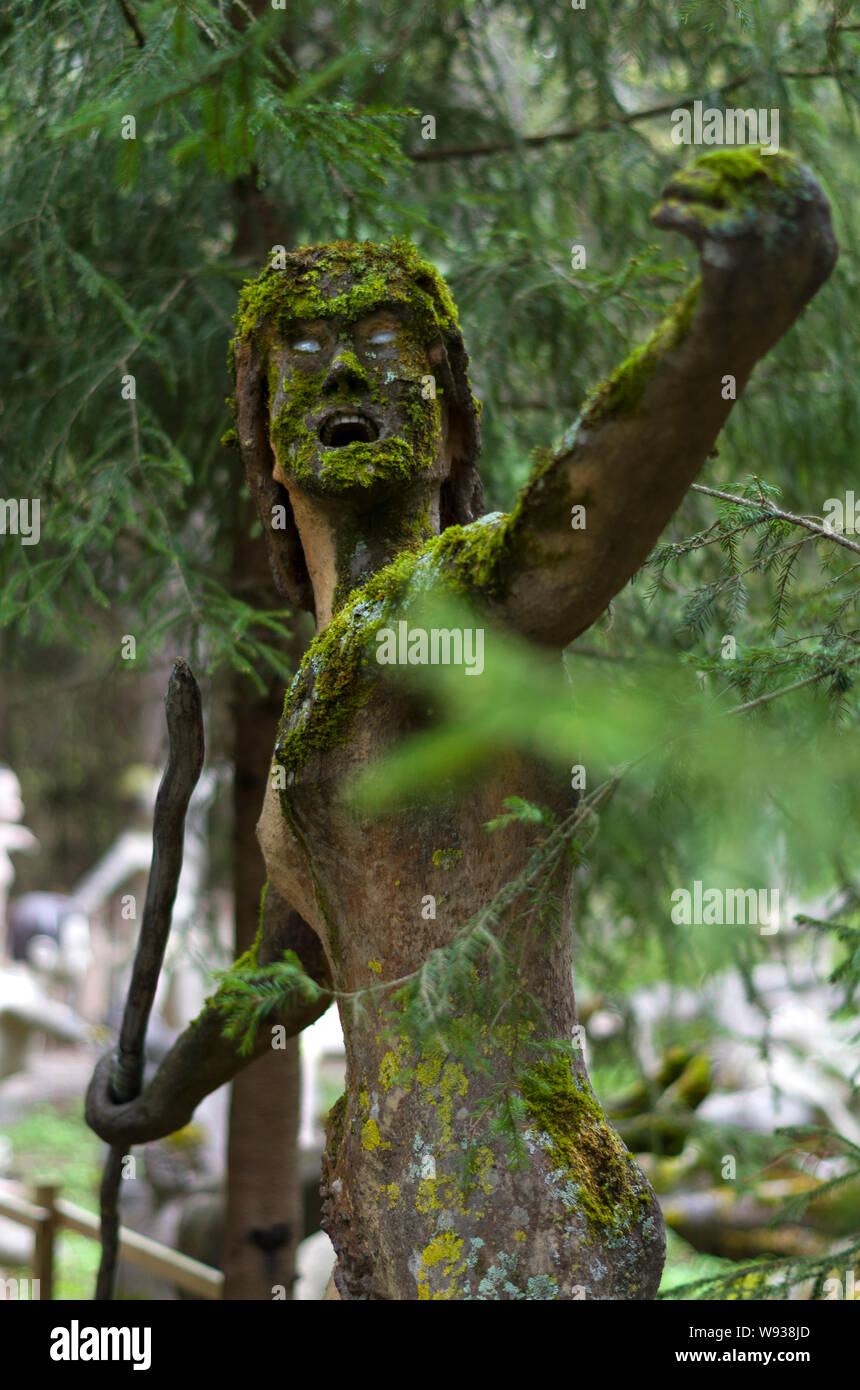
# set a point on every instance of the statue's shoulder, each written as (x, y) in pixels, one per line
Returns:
(464, 560)
(340, 670)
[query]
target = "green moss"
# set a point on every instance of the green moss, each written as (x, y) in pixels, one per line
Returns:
(261, 911)
(393, 459)
(730, 190)
(622, 392)
(366, 464)
(384, 526)
(339, 671)
(249, 959)
(474, 555)
(542, 499)
(350, 279)
(351, 364)
(695, 1082)
(446, 858)
(739, 166)
(289, 431)
(594, 1172)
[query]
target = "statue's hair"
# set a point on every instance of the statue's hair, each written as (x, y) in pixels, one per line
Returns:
(308, 287)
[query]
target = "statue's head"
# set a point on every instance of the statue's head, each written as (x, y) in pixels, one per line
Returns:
(352, 385)
(52, 934)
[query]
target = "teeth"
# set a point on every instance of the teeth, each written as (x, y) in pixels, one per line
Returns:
(346, 420)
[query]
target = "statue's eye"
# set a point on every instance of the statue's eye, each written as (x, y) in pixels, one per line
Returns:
(306, 345)
(385, 335)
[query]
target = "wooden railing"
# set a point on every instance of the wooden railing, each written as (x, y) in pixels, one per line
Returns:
(48, 1214)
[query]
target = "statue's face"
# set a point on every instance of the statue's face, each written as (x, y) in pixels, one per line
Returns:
(354, 404)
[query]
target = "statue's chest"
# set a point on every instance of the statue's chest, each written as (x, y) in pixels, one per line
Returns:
(339, 720)
(388, 887)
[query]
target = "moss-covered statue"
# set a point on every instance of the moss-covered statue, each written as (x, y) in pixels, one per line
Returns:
(360, 437)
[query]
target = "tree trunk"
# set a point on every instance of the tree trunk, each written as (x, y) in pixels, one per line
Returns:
(263, 1221)
(263, 1183)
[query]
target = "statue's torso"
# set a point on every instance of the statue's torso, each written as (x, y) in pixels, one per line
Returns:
(389, 889)
(384, 889)
(383, 894)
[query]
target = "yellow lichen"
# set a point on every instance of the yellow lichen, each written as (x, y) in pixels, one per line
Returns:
(370, 1137)
(453, 1083)
(426, 1198)
(428, 1070)
(446, 1250)
(484, 1161)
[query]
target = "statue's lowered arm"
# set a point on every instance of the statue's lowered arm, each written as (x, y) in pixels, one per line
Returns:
(202, 1059)
(589, 516)
(118, 1108)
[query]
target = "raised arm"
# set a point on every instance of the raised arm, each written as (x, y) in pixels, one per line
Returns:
(762, 225)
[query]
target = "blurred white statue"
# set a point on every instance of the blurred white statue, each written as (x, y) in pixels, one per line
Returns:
(47, 941)
(13, 837)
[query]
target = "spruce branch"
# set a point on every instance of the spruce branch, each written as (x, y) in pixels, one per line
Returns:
(132, 22)
(663, 108)
(769, 509)
(796, 685)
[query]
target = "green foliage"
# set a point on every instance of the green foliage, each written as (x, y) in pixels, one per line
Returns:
(49, 1137)
(248, 995)
(53, 1142)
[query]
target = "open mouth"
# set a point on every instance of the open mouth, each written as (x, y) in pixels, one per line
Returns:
(347, 427)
